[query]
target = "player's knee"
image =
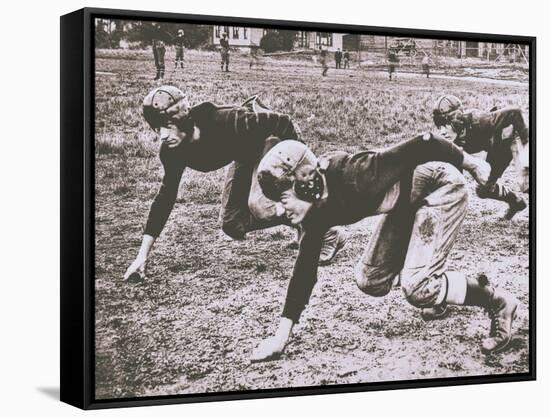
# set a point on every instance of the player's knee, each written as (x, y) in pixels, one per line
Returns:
(453, 176)
(420, 290)
(412, 295)
(372, 280)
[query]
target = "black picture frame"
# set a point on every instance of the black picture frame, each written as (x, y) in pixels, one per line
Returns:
(77, 209)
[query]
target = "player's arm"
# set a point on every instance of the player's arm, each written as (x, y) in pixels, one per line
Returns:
(424, 148)
(158, 215)
(514, 117)
(299, 291)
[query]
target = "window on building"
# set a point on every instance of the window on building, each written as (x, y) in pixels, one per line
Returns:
(217, 31)
(324, 39)
(235, 33)
(302, 39)
(245, 33)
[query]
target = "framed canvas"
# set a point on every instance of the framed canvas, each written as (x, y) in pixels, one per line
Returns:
(258, 208)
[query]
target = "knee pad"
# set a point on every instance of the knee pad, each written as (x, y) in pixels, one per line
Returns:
(421, 291)
(453, 175)
(372, 280)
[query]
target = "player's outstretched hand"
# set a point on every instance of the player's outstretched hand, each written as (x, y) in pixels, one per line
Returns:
(269, 349)
(136, 271)
(478, 168)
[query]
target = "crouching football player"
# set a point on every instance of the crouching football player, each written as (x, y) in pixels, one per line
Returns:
(207, 137)
(419, 188)
(477, 131)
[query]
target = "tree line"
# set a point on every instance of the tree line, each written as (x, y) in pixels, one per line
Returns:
(111, 33)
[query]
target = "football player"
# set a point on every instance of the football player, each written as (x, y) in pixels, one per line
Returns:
(418, 187)
(207, 137)
(476, 131)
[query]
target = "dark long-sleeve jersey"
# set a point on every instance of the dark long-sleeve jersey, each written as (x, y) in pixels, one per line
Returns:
(179, 42)
(224, 44)
(482, 131)
(226, 134)
(357, 185)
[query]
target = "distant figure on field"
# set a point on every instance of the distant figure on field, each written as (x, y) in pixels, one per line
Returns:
(338, 58)
(346, 59)
(224, 42)
(254, 58)
(426, 66)
(158, 36)
(323, 60)
(179, 48)
(393, 61)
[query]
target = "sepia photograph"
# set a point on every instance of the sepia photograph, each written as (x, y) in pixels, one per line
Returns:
(283, 209)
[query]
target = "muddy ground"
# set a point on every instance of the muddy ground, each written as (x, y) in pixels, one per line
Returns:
(208, 301)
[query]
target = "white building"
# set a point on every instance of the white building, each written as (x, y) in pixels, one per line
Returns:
(238, 36)
(314, 40)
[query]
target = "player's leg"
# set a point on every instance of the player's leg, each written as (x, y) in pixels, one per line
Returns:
(179, 57)
(156, 57)
(234, 214)
(440, 190)
(439, 193)
(244, 207)
(161, 53)
(385, 253)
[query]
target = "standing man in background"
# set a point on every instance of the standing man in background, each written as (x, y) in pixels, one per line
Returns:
(393, 61)
(179, 48)
(224, 42)
(323, 60)
(158, 37)
(346, 59)
(426, 66)
(338, 58)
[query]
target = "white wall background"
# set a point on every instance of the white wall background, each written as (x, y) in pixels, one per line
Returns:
(29, 221)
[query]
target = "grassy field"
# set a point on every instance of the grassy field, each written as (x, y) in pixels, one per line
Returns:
(208, 301)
